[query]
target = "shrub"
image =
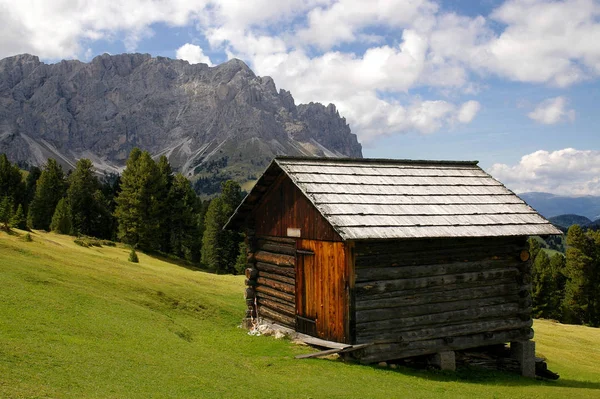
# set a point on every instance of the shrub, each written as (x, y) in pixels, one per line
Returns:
(133, 256)
(81, 242)
(27, 238)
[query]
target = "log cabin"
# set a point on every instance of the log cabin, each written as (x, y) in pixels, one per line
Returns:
(411, 257)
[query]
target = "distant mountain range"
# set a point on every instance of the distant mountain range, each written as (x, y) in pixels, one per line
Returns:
(221, 120)
(550, 205)
(568, 220)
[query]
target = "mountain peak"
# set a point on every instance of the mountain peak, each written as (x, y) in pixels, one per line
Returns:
(206, 120)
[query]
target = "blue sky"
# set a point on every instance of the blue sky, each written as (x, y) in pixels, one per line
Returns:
(514, 84)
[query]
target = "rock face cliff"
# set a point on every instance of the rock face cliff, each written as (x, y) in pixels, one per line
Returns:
(202, 118)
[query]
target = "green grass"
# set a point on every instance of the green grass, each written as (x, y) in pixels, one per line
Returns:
(81, 322)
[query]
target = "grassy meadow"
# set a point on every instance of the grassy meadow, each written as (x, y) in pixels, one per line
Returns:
(81, 322)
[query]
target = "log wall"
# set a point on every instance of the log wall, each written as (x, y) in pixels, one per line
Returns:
(274, 261)
(418, 297)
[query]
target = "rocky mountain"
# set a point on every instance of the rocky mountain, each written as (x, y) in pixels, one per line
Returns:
(207, 120)
(550, 205)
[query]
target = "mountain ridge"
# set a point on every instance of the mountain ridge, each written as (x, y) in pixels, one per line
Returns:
(194, 114)
(550, 205)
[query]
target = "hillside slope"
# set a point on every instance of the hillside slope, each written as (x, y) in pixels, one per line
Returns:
(85, 323)
(567, 221)
(198, 116)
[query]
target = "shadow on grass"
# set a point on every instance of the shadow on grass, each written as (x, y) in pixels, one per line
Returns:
(484, 377)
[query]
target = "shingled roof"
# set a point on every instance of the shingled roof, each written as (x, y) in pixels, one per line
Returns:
(391, 199)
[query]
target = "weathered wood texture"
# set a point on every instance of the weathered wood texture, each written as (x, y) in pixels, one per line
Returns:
(429, 296)
(322, 287)
(275, 282)
(284, 206)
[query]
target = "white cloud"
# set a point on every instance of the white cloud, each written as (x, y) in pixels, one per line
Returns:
(564, 172)
(193, 54)
(344, 20)
(57, 29)
(403, 45)
(468, 111)
(552, 111)
(547, 42)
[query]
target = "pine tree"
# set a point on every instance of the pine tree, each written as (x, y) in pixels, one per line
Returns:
(6, 212)
(87, 205)
(11, 181)
(580, 305)
(220, 248)
(30, 185)
(557, 268)
(61, 220)
(241, 261)
(50, 188)
(18, 219)
(139, 208)
(543, 286)
(165, 200)
(183, 229)
(212, 240)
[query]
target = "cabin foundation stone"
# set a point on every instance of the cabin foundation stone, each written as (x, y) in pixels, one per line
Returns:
(247, 323)
(524, 352)
(444, 360)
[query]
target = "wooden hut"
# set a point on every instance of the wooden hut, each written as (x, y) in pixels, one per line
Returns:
(412, 257)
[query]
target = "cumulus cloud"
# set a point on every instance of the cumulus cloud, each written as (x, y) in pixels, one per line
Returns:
(552, 111)
(468, 111)
(563, 172)
(343, 21)
(402, 46)
(193, 54)
(547, 42)
(57, 29)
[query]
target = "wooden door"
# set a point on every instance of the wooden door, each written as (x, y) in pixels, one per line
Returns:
(306, 309)
(322, 290)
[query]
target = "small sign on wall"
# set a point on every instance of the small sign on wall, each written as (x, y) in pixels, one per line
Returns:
(293, 232)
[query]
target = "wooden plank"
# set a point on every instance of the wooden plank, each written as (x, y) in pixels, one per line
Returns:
(435, 244)
(390, 273)
(277, 277)
(435, 317)
(419, 334)
(279, 249)
(274, 315)
(320, 353)
(274, 259)
(346, 349)
(412, 298)
(277, 240)
(375, 295)
(262, 295)
(279, 270)
(277, 285)
(390, 351)
(275, 293)
(435, 281)
(428, 308)
(323, 343)
(285, 309)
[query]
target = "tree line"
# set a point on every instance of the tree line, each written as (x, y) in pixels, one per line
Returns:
(148, 207)
(567, 287)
